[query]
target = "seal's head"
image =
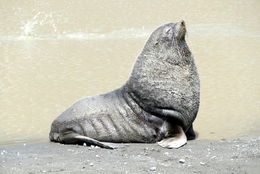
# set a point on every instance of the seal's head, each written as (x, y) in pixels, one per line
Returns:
(168, 34)
(168, 43)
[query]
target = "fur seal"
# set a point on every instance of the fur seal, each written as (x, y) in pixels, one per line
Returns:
(158, 103)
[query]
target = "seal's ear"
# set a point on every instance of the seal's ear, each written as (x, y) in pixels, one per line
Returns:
(156, 43)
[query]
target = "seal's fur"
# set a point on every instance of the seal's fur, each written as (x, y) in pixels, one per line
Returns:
(164, 80)
(160, 99)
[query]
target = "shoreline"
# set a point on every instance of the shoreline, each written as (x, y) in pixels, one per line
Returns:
(197, 156)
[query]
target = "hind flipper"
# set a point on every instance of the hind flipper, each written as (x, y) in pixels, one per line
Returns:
(71, 138)
(178, 140)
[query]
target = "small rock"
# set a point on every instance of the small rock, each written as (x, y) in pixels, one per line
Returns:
(166, 153)
(152, 169)
(182, 161)
(91, 164)
(202, 163)
(213, 157)
(84, 144)
(97, 156)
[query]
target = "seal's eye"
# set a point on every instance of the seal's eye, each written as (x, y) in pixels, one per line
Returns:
(168, 30)
(167, 35)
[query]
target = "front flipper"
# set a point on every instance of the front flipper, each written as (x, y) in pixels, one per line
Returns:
(74, 138)
(190, 133)
(176, 141)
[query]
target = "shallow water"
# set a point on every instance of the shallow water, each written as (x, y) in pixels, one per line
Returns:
(54, 52)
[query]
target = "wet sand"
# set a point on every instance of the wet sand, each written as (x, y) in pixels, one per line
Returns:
(198, 156)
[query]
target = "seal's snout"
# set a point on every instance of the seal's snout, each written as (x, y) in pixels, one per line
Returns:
(182, 23)
(181, 28)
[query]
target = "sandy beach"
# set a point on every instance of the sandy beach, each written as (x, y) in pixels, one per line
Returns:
(54, 53)
(198, 156)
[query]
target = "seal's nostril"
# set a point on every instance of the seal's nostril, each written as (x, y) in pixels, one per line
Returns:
(182, 23)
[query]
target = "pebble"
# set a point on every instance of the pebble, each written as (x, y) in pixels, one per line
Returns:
(152, 169)
(182, 161)
(84, 144)
(166, 153)
(3, 152)
(202, 163)
(91, 164)
(213, 157)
